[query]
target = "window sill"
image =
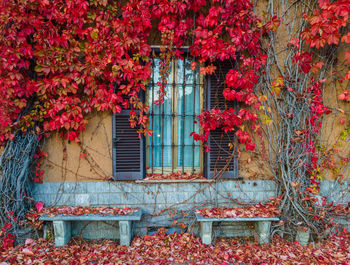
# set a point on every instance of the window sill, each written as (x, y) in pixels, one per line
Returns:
(157, 181)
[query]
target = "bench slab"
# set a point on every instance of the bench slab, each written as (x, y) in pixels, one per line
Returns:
(62, 225)
(201, 218)
(262, 225)
(93, 217)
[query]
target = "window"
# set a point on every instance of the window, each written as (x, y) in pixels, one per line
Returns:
(171, 148)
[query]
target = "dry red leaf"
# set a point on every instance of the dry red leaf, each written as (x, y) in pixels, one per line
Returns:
(175, 175)
(33, 215)
(269, 209)
(182, 248)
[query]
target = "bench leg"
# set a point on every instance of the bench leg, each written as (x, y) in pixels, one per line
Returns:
(303, 237)
(63, 232)
(263, 228)
(45, 230)
(206, 232)
(125, 231)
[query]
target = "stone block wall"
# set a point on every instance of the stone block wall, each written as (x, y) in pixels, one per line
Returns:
(159, 200)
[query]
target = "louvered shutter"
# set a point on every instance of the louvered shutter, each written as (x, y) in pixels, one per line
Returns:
(128, 149)
(220, 152)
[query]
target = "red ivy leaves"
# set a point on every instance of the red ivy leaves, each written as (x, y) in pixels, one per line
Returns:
(345, 96)
(63, 60)
(80, 50)
(326, 22)
(273, 24)
(227, 120)
(304, 60)
(7, 239)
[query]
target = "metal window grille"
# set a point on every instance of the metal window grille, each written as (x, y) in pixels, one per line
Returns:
(133, 157)
(171, 148)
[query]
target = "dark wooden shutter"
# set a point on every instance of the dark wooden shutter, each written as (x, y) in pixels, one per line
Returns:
(128, 149)
(220, 152)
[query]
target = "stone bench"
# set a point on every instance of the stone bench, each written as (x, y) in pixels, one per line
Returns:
(262, 225)
(62, 225)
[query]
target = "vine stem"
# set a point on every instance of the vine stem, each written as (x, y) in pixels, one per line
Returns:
(16, 172)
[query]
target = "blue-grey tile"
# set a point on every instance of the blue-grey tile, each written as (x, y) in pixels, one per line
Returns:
(103, 198)
(47, 199)
(75, 187)
(82, 199)
(67, 199)
(98, 187)
(49, 187)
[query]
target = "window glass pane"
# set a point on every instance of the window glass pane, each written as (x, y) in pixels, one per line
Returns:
(157, 156)
(191, 100)
(184, 72)
(197, 105)
(189, 153)
(161, 136)
(167, 156)
(185, 126)
(186, 144)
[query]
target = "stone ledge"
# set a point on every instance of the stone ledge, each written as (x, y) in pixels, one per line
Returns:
(159, 181)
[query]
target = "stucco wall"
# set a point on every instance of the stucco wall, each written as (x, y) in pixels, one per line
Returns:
(64, 161)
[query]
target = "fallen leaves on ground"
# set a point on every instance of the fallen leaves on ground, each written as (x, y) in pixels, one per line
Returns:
(269, 209)
(340, 209)
(180, 249)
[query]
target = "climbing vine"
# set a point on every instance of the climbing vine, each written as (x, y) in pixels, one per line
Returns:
(293, 109)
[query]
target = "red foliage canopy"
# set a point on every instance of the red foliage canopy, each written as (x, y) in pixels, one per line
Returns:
(61, 60)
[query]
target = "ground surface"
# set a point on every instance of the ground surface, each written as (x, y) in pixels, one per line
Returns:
(180, 249)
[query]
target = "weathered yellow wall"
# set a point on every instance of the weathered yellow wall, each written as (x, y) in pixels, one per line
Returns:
(64, 162)
(332, 127)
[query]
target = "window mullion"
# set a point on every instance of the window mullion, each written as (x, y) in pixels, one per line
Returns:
(183, 117)
(162, 135)
(152, 119)
(173, 117)
(194, 116)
